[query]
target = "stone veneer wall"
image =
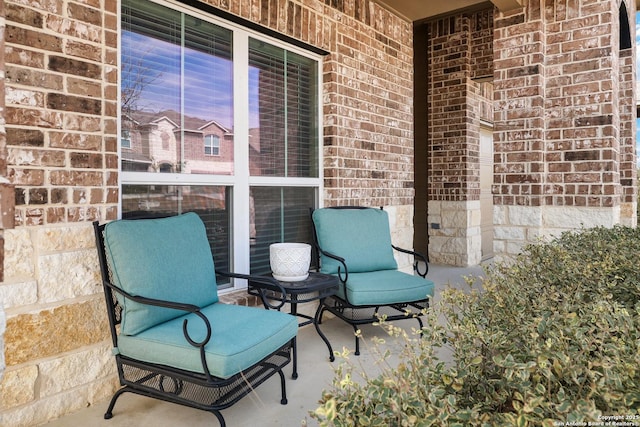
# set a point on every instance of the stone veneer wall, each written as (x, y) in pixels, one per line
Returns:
(460, 52)
(61, 157)
(564, 122)
(61, 142)
(6, 190)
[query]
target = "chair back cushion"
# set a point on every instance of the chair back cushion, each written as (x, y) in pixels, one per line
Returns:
(167, 259)
(361, 236)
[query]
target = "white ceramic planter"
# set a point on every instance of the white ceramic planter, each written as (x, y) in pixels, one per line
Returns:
(290, 261)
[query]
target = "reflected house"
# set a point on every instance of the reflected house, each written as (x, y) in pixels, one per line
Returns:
(153, 142)
(156, 142)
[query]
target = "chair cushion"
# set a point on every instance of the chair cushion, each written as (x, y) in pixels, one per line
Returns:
(167, 259)
(361, 236)
(241, 337)
(385, 287)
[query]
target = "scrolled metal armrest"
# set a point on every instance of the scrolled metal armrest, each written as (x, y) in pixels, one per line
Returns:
(416, 262)
(341, 261)
(190, 308)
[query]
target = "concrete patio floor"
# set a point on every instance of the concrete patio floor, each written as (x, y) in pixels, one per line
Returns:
(262, 407)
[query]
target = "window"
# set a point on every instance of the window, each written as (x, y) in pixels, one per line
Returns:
(190, 79)
(212, 145)
(125, 139)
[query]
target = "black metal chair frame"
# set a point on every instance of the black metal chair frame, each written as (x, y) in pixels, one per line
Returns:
(357, 315)
(198, 390)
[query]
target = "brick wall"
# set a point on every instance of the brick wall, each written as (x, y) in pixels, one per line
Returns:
(563, 120)
(61, 156)
(368, 132)
(564, 140)
(460, 52)
(61, 111)
(60, 115)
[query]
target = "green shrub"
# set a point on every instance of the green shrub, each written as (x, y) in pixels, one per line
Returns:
(552, 338)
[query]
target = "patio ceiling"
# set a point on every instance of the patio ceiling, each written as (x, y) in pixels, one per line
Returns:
(417, 10)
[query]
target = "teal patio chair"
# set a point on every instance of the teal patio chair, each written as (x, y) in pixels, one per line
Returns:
(172, 338)
(354, 243)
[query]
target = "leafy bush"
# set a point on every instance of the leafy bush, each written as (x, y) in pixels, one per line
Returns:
(552, 338)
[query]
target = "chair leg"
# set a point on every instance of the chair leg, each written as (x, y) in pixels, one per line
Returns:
(109, 414)
(317, 320)
(355, 332)
(294, 350)
(220, 418)
(283, 387)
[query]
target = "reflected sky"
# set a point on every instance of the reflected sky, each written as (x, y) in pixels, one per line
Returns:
(207, 82)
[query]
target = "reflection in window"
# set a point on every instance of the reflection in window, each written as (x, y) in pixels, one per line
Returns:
(177, 82)
(212, 145)
(184, 106)
(278, 214)
(283, 112)
(125, 139)
(211, 203)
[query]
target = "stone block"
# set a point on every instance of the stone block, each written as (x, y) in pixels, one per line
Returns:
(434, 208)
(527, 216)
(442, 258)
(68, 275)
(74, 370)
(571, 217)
(454, 219)
(509, 233)
(50, 239)
(3, 324)
(455, 245)
(19, 254)
(47, 333)
(514, 248)
(18, 294)
(43, 410)
(475, 218)
(500, 214)
(18, 386)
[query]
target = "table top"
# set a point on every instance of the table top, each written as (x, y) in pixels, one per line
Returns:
(316, 282)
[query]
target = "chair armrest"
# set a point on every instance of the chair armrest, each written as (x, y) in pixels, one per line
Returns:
(341, 261)
(262, 283)
(176, 306)
(156, 302)
(416, 262)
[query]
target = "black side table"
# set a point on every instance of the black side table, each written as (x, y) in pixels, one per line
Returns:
(316, 287)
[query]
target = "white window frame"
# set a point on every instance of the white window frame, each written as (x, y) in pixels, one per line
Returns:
(241, 181)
